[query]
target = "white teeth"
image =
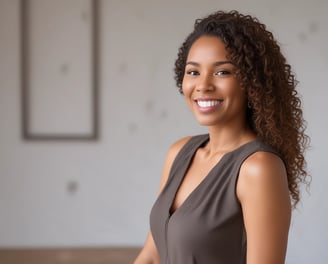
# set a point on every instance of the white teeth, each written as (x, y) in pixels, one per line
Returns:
(208, 103)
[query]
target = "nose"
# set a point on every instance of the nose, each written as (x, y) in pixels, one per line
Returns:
(205, 83)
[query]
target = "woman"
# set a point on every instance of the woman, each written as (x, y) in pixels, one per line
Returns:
(226, 197)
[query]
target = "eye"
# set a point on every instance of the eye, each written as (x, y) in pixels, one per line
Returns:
(222, 72)
(192, 72)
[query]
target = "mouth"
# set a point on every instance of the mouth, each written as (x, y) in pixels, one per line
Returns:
(208, 103)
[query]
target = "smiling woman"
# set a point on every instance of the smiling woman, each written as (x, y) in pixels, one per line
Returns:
(226, 197)
(210, 84)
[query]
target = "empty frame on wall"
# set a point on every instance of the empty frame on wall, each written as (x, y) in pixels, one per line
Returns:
(59, 51)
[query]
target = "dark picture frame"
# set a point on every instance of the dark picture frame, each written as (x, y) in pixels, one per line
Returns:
(70, 110)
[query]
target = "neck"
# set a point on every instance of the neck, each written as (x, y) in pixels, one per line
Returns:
(225, 139)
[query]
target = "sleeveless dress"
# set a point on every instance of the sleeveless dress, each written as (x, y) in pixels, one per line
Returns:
(208, 228)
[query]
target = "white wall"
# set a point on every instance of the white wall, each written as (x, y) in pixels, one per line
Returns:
(141, 115)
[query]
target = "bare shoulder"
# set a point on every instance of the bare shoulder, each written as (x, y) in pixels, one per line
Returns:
(262, 170)
(263, 165)
(262, 189)
(170, 157)
(177, 146)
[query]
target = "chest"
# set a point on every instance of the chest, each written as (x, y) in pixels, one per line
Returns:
(198, 170)
(207, 223)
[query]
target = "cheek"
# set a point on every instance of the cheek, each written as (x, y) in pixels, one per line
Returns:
(241, 98)
(233, 89)
(186, 86)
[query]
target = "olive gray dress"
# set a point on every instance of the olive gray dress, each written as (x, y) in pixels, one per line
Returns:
(208, 227)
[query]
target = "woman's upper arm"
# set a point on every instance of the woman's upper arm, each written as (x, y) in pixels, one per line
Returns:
(262, 189)
(149, 253)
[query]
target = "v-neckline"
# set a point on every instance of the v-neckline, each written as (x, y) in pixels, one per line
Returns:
(203, 181)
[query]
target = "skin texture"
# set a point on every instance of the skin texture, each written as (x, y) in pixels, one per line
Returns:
(208, 79)
(262, 186)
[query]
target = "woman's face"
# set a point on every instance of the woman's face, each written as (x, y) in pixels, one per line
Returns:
(210, 85)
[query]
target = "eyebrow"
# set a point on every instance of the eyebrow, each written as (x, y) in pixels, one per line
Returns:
(218, 63)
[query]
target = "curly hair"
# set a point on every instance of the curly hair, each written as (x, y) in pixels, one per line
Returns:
(275, 113)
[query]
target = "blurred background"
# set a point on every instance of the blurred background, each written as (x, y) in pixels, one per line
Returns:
(98, 193)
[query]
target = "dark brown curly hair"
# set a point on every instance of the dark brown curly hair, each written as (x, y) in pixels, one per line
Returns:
(275, 113)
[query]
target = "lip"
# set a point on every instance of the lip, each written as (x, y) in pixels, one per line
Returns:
(207, 105)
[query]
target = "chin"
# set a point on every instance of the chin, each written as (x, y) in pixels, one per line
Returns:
(207, 122)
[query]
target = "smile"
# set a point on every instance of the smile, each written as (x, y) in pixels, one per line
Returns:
(208, 103)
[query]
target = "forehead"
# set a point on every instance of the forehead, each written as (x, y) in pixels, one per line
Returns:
(207, 48)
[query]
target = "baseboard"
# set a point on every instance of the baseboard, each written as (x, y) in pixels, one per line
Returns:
(69, 256)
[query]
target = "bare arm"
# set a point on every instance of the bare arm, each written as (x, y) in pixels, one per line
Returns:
(262, 189)
(149, 253)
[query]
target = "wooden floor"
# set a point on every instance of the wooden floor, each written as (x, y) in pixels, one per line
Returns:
(69, 256)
